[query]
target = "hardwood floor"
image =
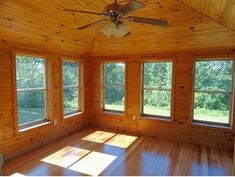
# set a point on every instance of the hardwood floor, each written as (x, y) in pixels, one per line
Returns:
(99, 152)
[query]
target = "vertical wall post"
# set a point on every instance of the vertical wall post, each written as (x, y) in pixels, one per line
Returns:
(1, 163)
(233, 168)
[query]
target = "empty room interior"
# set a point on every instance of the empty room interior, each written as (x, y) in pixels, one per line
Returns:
(117, 87)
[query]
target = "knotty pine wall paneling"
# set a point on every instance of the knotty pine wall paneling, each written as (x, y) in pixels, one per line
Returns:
(180, 126)
(14, 143)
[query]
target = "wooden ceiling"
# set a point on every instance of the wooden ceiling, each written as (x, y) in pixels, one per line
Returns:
(43, 24)
(222, 11)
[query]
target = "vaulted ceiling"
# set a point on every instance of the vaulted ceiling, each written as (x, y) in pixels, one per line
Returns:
(193, 25)
(222, 11)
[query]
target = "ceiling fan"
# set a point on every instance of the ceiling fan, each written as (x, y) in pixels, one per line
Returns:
(117, 14)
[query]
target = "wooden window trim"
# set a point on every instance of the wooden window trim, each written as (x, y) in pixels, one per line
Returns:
(231, 111)
(79, 86)
(103, 88)
(33, 125)
(158, 117)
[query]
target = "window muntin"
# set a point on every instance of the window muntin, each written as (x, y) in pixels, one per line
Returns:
(157, 88)
(114, 86)
(213, 91)
(31, 89)
(71, 87)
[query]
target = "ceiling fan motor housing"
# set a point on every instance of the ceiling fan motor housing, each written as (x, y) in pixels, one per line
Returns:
(112, 11)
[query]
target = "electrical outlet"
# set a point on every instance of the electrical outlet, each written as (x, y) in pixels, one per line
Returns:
(134, 117)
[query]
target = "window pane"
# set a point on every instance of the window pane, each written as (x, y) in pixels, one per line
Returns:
(71, 94)
(213, 75)
(213, 80)
(70, 73)
(212, 107)
(115, 74)
(114, 99)
(158, 75)
(30, 72)
(30, 75)
(157, 103)
(157, 88)
(31, 106)
(70, 100)
(114, 86)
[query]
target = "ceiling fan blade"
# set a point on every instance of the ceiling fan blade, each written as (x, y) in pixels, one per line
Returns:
(83, 11)
(90, 25)
(131, 6)
(150, 21)
(120, 2)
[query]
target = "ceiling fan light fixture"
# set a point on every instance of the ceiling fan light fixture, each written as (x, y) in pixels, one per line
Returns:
(118, 32)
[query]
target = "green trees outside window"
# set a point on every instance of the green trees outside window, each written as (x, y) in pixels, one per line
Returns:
(31, 89)
(71, 87)
(114, 86)
(213, 91)
(157, 88)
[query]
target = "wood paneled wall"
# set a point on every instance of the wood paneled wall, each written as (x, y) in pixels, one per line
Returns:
(179, 128)
(14, 143)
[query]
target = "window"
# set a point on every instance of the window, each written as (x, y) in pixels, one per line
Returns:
(114, 86)
(31, 89)
(157, 88)
(71, 87)
(213, 91)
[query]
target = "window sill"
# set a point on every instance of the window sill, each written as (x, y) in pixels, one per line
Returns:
(155, 118)
(67, 116)
(211, 125)
(119, 113)
(35, 125)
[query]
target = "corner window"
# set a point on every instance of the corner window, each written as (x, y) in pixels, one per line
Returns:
(213, 91)
(31, 89)
(114, 87)
(71, 87)
(157, 89)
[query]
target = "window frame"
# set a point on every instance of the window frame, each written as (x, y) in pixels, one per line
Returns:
(79, 87)
(231, 110)
(152, 116)
(103, 87)
(34, 124)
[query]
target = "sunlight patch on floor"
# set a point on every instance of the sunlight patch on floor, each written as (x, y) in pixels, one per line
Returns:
(86, 161)
(93, 164)
(66, 156)
(99, 136)
(122, 141)
(17, 175)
